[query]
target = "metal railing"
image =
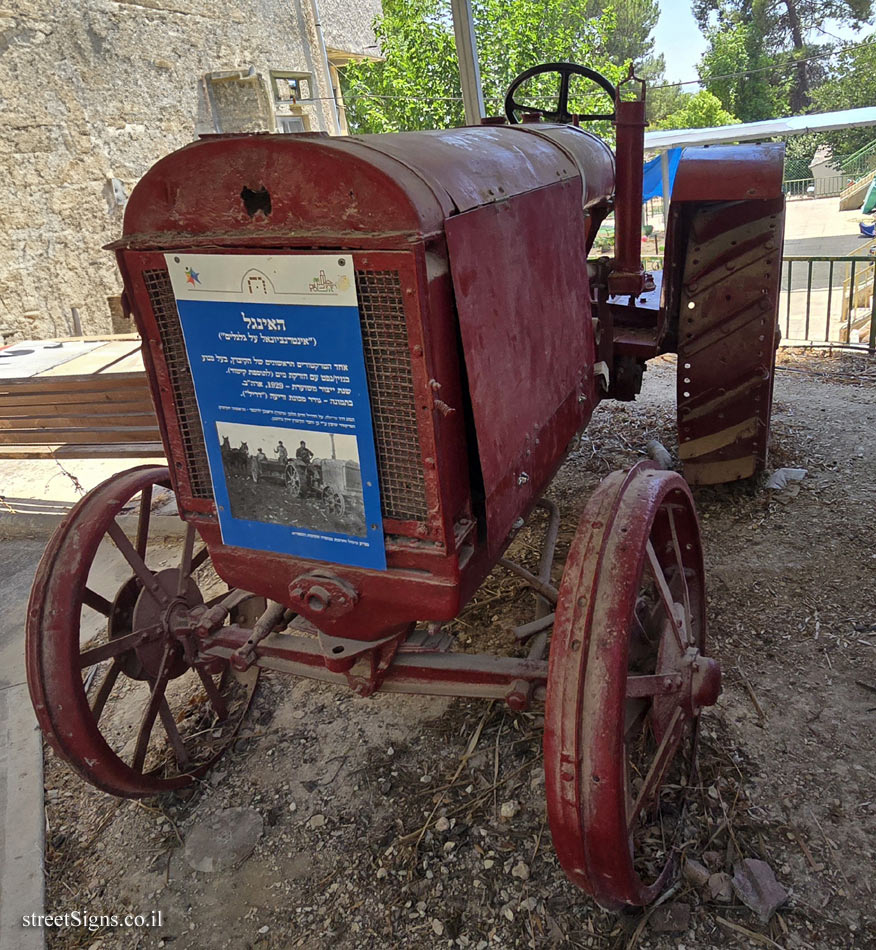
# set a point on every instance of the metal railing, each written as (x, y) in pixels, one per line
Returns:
(827, 187)
(828, 301)
(825, 300)
(860, 162)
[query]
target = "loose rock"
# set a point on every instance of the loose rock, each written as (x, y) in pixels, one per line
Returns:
(721, 887)
(520, 870)
(698, 874)
(223, 840)
(756, 886)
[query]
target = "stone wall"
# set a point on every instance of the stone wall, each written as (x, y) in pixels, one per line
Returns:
(347, 25)
(92, 93)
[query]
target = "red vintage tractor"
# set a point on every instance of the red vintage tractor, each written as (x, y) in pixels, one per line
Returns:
(487, 339)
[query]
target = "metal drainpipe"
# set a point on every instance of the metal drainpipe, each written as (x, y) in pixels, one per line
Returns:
(320, 39)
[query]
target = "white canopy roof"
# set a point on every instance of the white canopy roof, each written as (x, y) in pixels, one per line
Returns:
(768, 128)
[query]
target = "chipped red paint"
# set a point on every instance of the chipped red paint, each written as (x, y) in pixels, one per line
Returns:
(488, 230)
(588, 682)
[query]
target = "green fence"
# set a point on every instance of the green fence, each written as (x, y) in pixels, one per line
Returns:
(859, 163)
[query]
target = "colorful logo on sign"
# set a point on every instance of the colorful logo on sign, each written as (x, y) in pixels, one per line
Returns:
(192, 277)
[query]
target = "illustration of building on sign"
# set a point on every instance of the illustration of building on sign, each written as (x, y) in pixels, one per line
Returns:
(256, 284)
(322, 285)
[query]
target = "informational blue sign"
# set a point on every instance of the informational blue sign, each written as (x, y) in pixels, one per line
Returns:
(275, 349)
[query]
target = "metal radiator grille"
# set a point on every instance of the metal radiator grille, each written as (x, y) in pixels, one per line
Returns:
(166, 316)
(391, 387)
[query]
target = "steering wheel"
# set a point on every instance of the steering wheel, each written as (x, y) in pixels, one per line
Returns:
(561, 113)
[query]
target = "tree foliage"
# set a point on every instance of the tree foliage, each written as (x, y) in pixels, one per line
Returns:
(700, 110)
(749, 35)
(630, 40)
(416, 86)
(736, 67)
(851, 83)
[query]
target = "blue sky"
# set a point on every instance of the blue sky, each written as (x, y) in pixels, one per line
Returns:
(679, 39)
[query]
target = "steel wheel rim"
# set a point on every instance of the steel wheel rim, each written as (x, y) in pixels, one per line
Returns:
(585, 747)
(65, 710)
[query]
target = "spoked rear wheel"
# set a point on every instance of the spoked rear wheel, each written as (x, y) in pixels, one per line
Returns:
(112, 660)
(293, 480)
(627, 680)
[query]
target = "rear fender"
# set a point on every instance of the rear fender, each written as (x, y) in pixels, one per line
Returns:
(721, 298)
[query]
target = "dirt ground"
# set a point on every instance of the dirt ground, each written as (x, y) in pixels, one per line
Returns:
(269, 500)
(378, 832)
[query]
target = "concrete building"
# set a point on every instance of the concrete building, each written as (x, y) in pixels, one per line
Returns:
(93, 92)
(827, 178)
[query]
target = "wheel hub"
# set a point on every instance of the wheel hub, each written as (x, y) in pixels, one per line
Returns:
(174, 619)
(705, 681)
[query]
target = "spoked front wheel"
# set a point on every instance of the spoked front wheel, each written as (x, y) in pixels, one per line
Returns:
(113, 668)
(627, 679)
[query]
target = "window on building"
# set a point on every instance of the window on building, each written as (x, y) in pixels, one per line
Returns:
(292, 123)
(291, 87)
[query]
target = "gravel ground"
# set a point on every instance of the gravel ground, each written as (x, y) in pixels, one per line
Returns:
(420, 822)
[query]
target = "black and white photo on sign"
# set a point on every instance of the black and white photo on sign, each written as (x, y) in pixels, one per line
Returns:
(297, 477)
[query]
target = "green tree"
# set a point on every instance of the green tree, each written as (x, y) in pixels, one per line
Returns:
(416, 86)
(631, 39)
(736, 67)
(700, 110)
(850, 84)
(779, 34)
(662, 100)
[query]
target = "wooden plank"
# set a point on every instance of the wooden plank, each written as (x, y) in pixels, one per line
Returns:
(133, 363)
(71, 436)
(93, 362)
(140, 420)
(99, 450)
(44, 384)
(79, 399)
(74, 406)
(105, 337)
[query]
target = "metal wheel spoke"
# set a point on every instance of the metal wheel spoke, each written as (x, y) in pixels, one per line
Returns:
(143, 520)
(684, 588)
(651, 685)
(138, 565)
(665, 595)
(214, 695)
(662, 759)
(106, 687)
(176, 741)
(113, 648)
(185, 564)
(94, 600)
(199, 559)
(148, 721)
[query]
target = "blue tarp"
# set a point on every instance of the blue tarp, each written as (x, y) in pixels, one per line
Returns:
(652, 183)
